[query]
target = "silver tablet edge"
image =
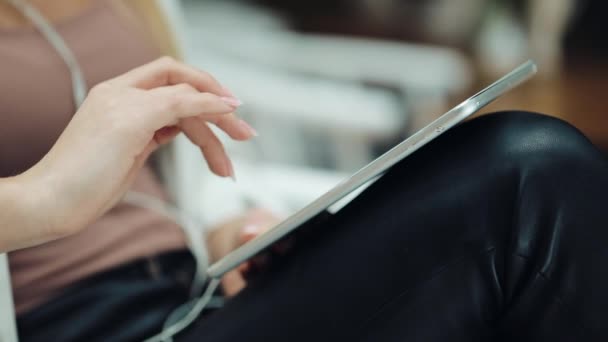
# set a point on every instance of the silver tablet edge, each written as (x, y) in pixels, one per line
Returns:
(375, 168)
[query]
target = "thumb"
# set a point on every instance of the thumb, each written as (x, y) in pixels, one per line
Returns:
(249, 232)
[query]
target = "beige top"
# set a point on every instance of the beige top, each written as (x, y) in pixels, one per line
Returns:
(35, 106)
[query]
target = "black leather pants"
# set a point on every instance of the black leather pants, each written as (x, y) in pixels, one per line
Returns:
(496, 231)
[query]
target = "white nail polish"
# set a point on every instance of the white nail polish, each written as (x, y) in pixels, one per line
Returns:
(231, 101)
(251, 229)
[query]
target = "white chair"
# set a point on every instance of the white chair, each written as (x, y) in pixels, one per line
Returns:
(8, 329)
(317, 88)
(212, 199)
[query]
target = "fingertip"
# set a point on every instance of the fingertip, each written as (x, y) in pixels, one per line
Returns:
(233, 102)
(247, 129)
(227, 92)
(239, 130)
(217, 167)
(251, 229)
(249, 233)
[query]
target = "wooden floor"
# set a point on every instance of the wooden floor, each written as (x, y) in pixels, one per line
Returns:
(580, 97)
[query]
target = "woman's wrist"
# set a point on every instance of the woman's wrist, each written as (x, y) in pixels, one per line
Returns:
(21, 212)
(31, 208)
(52, 196)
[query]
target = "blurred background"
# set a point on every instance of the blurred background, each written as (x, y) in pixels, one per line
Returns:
(331, 84)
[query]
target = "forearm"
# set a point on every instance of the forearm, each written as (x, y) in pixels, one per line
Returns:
(24, 218)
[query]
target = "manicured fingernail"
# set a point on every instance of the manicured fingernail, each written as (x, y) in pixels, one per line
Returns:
(230, 169)
(232, 101)
(247, 128)
(251, 229)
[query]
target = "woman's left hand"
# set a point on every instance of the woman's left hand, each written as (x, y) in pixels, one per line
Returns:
(231, 235)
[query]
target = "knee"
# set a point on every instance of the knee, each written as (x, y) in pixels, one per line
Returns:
(504, 144)
(528, 138)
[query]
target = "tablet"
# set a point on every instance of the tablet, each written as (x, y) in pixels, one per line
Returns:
(373, 170)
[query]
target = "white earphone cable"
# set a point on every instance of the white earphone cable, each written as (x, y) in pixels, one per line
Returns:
(79, 85)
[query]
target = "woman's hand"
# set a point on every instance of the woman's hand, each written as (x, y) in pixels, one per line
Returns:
(234, 233)
(122, 121)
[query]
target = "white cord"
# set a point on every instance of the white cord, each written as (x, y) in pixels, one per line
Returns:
(195, 243)
(190, 227)
(169, 331)
(79, 85)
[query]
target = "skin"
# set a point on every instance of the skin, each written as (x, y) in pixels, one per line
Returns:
(234, 233)
(120, 124)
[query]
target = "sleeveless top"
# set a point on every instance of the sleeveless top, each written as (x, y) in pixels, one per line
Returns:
(35, 106)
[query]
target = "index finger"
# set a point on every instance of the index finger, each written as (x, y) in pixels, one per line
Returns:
(167, 71)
